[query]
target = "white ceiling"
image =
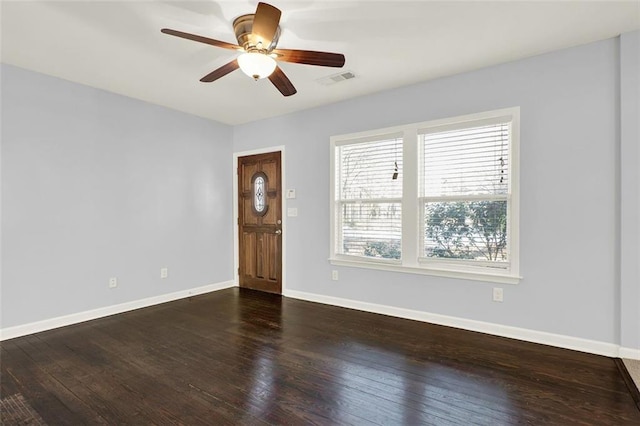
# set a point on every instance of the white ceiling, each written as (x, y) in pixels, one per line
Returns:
(117, 46)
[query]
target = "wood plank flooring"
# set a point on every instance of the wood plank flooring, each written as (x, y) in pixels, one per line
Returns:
(243, 357)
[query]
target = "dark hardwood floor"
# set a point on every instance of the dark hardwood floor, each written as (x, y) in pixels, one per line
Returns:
(244, 357)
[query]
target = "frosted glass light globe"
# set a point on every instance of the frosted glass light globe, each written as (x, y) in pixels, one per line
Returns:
(256, 65)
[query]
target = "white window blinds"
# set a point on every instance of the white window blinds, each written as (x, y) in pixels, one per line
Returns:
(369, 198)
(466, 161)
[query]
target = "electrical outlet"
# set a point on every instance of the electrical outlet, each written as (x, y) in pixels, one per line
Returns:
(334, 275)
(113, 282)
(498, 295)
(164, 272)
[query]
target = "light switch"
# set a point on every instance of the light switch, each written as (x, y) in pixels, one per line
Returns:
(292, 212)
(291, 194)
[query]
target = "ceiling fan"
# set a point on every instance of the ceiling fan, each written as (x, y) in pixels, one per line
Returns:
(257, 36)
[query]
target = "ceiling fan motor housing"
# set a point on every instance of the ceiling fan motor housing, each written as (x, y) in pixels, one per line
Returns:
(243, 27)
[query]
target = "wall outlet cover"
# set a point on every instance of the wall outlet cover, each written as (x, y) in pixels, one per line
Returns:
(498, 294)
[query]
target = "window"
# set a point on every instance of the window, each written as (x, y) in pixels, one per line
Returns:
(438, 197)
(464, 193)
(369, 198)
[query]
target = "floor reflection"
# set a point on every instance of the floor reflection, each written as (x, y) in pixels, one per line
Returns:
(263, 389)
(258, 338)
(298, 365)
(414, 393)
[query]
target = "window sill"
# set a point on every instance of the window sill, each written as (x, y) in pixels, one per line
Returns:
(502, 278)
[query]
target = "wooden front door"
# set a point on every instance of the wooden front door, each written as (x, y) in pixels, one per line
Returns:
(260, 222)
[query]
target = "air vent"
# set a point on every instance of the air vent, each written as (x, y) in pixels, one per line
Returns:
(336, 78)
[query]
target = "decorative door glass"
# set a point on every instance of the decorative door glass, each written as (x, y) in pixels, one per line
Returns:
(259, 193)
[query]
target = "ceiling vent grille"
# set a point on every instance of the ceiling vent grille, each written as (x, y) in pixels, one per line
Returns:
(336, 78)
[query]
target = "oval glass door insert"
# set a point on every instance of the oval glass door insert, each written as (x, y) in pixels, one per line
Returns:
(260, 193)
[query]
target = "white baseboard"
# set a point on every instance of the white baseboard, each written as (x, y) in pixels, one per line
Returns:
(38, 326)
(558, 340)
(630, 353)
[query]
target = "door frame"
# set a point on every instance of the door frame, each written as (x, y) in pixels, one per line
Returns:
(236, 217)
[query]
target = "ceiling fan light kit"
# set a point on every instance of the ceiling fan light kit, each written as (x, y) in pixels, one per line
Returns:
(257, 35)
(257, 65)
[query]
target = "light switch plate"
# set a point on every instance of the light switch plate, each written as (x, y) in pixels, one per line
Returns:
(292, 212)
(291, 194)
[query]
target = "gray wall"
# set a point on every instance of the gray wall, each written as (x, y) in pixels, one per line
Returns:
(630, 189)
(96, 185)
(570, 208)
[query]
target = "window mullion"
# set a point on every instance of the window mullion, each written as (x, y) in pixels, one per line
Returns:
(470, 197)
(370, 200)
(410, 237)
(334, 191)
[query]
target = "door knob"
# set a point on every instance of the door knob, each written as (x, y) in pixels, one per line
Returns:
(278, 231)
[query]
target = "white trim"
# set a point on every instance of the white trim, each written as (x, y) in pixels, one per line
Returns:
(551, 339)
(386, 265)
(568, 342)
(370, 200)
(372, 137)
(455, 124)
(451, 198)
(410, 210)
(419, 127)
(236, 242)
(38, 326)
(629, 353)
(513, 247)
(335, 232)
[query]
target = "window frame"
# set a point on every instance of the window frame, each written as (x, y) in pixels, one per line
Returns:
(411, 260)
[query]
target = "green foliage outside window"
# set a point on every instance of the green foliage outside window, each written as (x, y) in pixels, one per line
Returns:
(383, 249)
(467, 230)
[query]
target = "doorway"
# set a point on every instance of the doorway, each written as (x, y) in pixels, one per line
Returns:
(260, 222)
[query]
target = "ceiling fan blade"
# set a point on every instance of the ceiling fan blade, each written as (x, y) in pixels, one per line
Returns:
(265, 23)
(201, 39)
(282, 83)
(310, 57)
(220, 72)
